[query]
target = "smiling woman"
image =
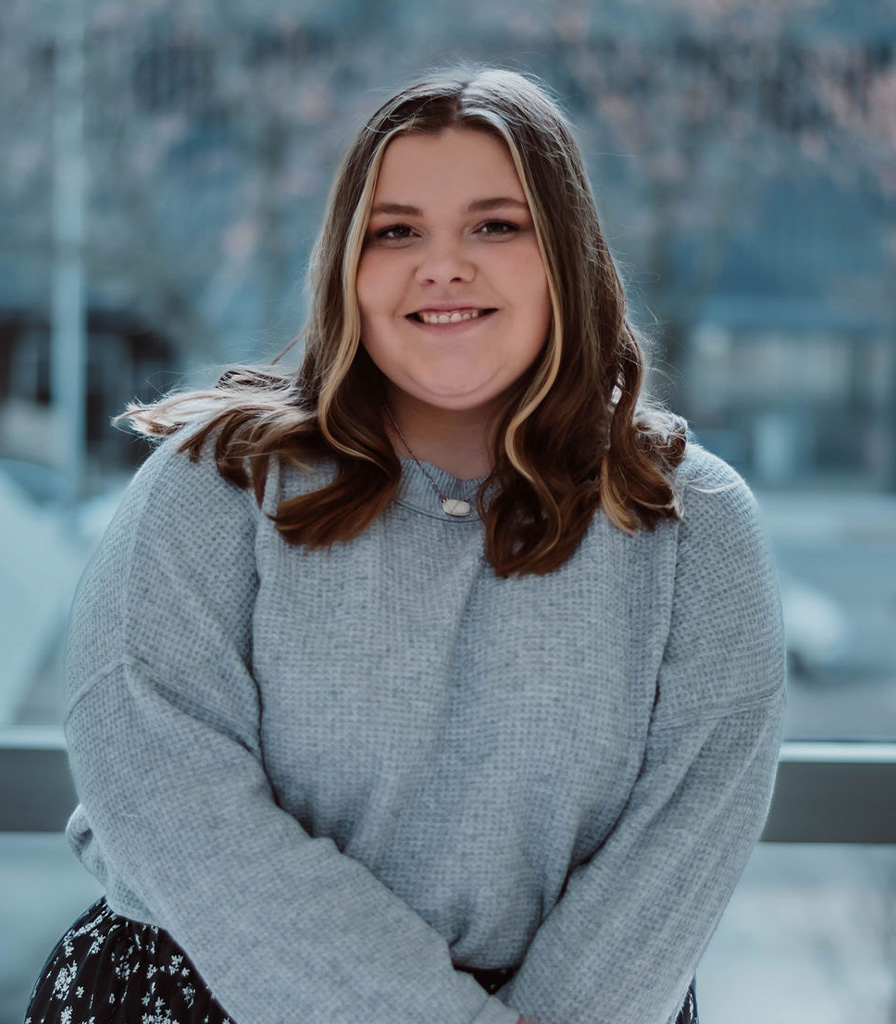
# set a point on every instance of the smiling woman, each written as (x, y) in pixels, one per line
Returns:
(438, 681)
(454, 298)
(569, 433)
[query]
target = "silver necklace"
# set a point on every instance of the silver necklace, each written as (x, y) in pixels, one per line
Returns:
(453, 506)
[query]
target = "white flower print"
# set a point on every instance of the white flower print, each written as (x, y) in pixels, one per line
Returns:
(64, 980)
(158, 1018)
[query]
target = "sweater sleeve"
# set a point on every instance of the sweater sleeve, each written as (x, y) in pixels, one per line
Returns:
(163, 733)
(622, 943)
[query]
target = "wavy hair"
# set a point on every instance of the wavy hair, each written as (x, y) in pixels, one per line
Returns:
(575, 434)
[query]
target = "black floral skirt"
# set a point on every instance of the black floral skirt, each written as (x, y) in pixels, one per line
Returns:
(108, 969)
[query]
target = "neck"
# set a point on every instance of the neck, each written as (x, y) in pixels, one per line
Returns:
(456, 441)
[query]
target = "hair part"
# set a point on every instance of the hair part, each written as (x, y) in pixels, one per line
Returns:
(575, 435)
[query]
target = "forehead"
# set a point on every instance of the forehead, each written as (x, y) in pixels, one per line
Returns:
(456, 162)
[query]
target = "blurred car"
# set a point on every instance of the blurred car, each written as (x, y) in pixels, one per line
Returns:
(816, 629)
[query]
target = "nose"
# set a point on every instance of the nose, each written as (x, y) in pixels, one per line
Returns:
(444, 262)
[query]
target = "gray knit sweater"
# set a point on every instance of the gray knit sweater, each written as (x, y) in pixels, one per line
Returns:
(336, 777)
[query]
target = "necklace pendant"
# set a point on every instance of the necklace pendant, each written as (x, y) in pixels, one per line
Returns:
(456, 506)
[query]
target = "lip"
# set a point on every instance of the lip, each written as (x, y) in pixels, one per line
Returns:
(460, 325)
(448, 307)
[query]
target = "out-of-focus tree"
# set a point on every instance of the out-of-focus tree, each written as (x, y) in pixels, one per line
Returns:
(209, 145)
(856, 90)
(707, 101)
(208, 162)
(213, 130)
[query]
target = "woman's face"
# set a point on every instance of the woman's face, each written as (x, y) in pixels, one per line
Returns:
(452, 289)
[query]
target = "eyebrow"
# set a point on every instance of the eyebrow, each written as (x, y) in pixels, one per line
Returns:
(477, 206)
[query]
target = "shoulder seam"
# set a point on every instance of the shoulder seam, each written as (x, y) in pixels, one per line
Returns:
(125, 661)
(88, 684)
(717, 713)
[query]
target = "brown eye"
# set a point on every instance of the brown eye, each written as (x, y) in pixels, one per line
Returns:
(498, 227)
(394, 233)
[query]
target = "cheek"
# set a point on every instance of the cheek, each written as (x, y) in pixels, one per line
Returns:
(372, 289)
(377, 284)
(365, 285)
(528, 278)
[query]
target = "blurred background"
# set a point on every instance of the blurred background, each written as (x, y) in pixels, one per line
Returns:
(164, 170)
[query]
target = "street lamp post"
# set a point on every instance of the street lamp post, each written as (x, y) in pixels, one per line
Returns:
(68, 329)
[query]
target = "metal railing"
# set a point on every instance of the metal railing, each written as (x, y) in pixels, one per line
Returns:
(832, 792)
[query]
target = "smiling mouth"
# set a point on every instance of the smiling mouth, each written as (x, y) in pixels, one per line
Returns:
(449, 317)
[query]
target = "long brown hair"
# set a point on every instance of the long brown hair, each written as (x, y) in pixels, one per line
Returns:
(574, 435)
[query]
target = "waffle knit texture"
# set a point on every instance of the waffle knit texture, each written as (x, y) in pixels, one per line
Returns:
(338, 777)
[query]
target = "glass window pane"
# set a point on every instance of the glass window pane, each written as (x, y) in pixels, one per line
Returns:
(836, 557)
(808, 938)
(43, 889)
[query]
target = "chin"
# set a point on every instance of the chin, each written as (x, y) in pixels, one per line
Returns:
(458, 402)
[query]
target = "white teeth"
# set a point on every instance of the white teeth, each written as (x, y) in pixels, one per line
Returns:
(449, 318)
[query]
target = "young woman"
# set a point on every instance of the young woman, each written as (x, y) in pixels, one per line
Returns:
(439, 682)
